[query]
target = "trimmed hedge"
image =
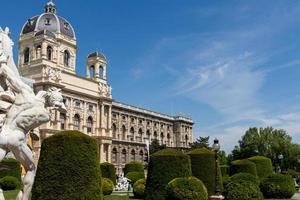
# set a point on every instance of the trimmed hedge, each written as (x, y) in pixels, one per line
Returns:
(108, 170)
(139, 189)
(278, 186)
(107, 186)
(243, 166)
(68, 168)
(245, 177)
(203, 168)
(134, 166)
(164, 166)
(134, 176)
(10, 167)
(186, 188)
(263, 164)
(9, 183)
(242, 190)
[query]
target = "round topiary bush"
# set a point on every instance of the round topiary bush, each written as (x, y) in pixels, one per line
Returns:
(108, 170)
(10, 167)
(203, 168)
(9, 183)
(139, 189)
(107, 186)
(245, 177)
(243, 166)
(68, 168)
(134, 166)
(164, 166)
(186, 188)
(263, 165)
(278, 186)
(134, 176)
(242, 190)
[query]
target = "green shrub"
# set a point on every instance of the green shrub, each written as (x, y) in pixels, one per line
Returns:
(293, 173)
(164, 166)
(203, 168)
(278, 186)
(245, 177)
(226, 180)
(243, 166)
(242, 190)
(139, 189)
(68, 168)
(9, 183)
(134, 176)
(108, 170)
(107, 186)
(186, 188)
(10, 167)
(263, 165)
(224, 170)
(134, 166)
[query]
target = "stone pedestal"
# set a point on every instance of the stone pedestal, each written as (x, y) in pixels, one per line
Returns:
(216, 197)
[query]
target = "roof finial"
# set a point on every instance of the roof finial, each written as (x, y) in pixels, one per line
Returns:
(50, 7)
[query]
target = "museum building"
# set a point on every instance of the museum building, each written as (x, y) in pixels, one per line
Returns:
(47, 55)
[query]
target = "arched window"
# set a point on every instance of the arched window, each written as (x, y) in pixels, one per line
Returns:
(140, 135)
(186, 140)
(114, 155)
(89, 124)
(161, 138)
(114, 131)
(169, 139)
(123, 132)
(26, 55)
(141, 156)
(62, 121)
(124, 155)
(101, 71)
(92, 71)
(148, 134)
(132, 154)
(49, 53)
(132, 133)
(155, 135)
(66, 58)
(76, 122)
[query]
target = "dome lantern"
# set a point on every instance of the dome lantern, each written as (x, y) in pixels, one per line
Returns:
(50, 7)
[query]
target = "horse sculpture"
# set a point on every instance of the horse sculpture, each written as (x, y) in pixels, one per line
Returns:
(21, 111)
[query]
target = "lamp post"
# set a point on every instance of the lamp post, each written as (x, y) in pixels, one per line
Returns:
(280, 158)
(216, 148)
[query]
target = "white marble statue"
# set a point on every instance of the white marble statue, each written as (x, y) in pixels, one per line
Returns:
(21, 112)
(122, 183)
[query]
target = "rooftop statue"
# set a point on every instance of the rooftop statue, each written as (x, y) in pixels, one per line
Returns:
(21, 111)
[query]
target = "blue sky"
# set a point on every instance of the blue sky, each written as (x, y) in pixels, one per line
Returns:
(227, 64)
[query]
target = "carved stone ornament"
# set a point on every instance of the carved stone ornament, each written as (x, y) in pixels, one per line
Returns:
(52, 74)
(105, 90)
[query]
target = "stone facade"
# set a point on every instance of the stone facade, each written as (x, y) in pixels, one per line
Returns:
(47, 54)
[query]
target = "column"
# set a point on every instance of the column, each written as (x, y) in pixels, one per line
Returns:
(109, 122)
(101, 152)
(96, 72)
(102, 121)
(109, 153)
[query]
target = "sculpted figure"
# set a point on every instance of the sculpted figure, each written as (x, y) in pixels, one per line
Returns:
(23, 112)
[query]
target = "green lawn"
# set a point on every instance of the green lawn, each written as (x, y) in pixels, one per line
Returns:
(11, 195)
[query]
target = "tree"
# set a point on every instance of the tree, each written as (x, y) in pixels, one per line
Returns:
(268, 142)
(155, 146)
(201, 142)
(223, 160)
